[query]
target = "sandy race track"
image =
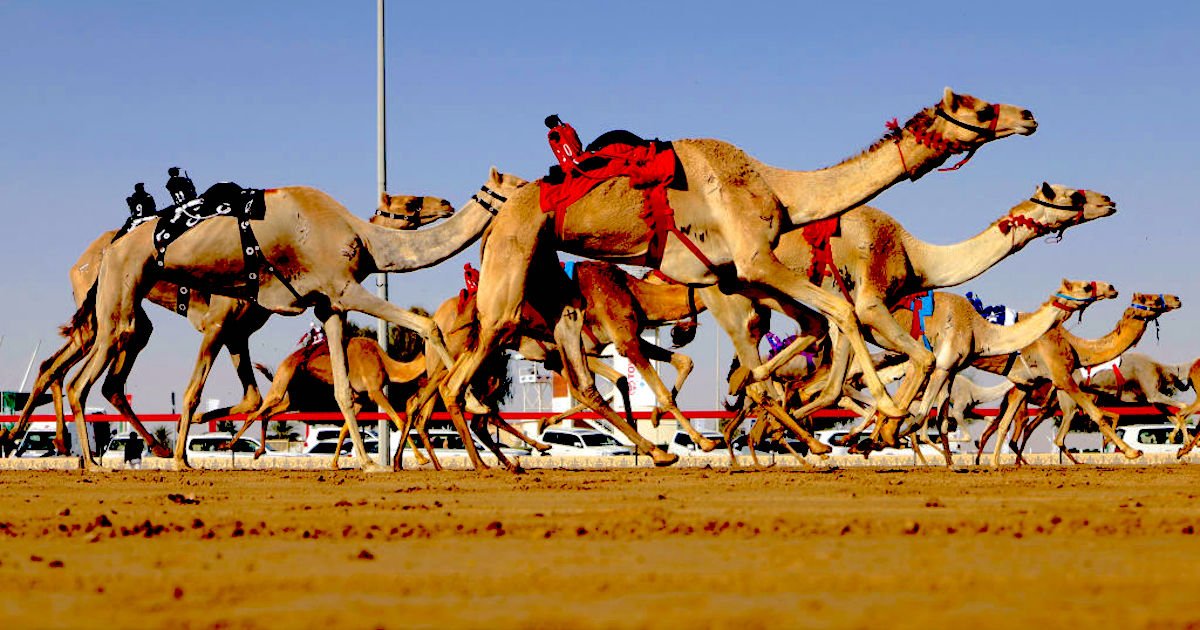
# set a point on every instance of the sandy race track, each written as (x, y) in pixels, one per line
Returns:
(1087, 546)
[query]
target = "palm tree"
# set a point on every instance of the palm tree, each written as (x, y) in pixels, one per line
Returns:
(282, 430)
(226, 426)
(163, 436)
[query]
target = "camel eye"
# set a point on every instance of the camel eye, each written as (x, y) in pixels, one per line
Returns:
(1078, 198)
(985, 114)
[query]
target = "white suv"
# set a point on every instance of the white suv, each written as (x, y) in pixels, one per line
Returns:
(682, 444)
(833, 437)
(585, 442)
(1150, 438)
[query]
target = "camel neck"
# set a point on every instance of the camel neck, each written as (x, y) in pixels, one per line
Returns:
(1128, 332)
(1026, 330)
(406, 250)
(850, 183)
(664, 302)
(948, 265)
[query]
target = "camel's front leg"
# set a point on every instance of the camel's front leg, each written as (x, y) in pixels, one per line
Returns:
(113, 387)
(1015, 401)
(51, 374)
(888, 333)
(334, 322)
(1066, 383)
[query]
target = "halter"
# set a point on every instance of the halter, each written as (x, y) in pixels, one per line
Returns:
(1155, 311)
(1081, 301)
(938, 142)
(496, 198)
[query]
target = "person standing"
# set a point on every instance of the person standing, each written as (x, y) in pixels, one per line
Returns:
(133, 451)
(141, 203)
(180, 186)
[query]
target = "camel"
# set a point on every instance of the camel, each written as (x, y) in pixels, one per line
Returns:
(1054, 358)
(223, 321)
(965, 394)
(883, 263)
(735, 208)
(312, 253)
(1141, 380)
(369, 370)
(616, 307)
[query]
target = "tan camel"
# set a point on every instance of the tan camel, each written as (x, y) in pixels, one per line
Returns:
(884, 264)
(735, 208)
(965, 394)
(223, 321)
(369, 370)
(957, 334)
(1142, 380)
(313, 253)
(616, 307)
(1054, 358)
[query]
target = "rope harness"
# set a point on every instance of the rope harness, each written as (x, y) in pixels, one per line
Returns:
(935, 140)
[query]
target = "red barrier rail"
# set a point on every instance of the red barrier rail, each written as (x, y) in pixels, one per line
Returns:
(334, 416)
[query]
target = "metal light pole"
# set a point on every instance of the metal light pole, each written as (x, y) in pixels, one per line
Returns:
(381, 325)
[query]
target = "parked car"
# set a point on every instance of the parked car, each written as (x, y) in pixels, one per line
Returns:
(448, 443)
(116, 450)
(585, 442)
(681, 444)
(833, 438)
(1150, 438)
(768, 447)
(38, 440)
(213, 445)
(321, 433)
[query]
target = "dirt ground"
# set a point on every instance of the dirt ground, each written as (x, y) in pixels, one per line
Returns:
(1087, 546)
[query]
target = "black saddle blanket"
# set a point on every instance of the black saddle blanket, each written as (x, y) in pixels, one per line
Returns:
(225, 199)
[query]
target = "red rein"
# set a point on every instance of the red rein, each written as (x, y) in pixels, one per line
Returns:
(938, 142)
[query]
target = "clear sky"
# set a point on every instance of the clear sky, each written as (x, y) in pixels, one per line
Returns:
(98, 96)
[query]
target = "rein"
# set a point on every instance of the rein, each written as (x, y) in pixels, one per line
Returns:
(1083, 301)
(1011, 221)
(1154, 313)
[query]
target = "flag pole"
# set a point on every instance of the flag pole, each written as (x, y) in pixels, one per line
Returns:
(381, 325)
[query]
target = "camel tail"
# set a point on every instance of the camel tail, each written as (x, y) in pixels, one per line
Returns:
(266, 371)
(84, 316)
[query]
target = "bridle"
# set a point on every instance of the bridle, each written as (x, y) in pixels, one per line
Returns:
(938, 142)
(1006, 224)
(1078, 302)
(1151, 312)
(493, 198)
(411, 219)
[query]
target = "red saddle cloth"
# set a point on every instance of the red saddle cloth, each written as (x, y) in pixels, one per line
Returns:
(649, 169)
(817, 235)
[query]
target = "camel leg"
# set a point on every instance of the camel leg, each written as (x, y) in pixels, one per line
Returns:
(1068, 386)
(51, 374)
(550, 421)
(568, 336)
(239, 355)
(113, 387)
(495, 420)
(1015, 401)
(815, 447)
(103, 352)
(888, 333)
(334, 323)
(647, 352)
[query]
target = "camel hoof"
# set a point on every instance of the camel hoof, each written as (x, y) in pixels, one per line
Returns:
(372, 467)
(1136, 454)
(819, 448)
(1182, 451)
(181, 465)
(706, 444)
(662, 458)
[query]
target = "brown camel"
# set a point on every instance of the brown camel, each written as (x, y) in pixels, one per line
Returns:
(894, 265)
(223, 321)
(1054, 358)
(369, 370)
(616, 307)
(883, 264)
(735, 208)
(313, 252)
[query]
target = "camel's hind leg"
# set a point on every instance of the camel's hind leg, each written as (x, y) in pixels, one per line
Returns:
(51, 374)
(334, 323)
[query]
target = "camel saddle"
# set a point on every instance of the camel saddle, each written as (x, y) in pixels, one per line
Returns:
(224, 199)
(921, 305)
(997, 314)
(650, 165)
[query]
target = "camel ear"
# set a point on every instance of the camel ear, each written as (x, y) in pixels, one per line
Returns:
(949, 99)
(1047, 191)
(494, 176)
(385, 199)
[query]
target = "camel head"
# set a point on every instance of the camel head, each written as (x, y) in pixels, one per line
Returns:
(1148, 306)
(408, 212)
(1076, 295)
(973, 121)
(1054, 208)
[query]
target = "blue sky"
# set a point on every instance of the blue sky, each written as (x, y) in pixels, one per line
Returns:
(97, 96)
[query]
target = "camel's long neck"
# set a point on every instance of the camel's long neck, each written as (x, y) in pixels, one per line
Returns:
(1096, 351)
(848, 184)
(404, 371)
(665, 302)
(939, 266)
(407, 250)
(1026, 330)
